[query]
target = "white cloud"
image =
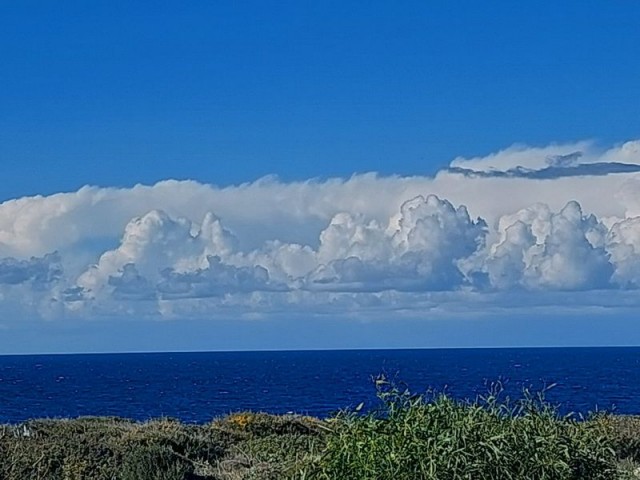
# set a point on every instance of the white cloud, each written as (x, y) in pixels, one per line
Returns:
(623, 243)
(160, 256)
(296, 212)
(418, 249)
(551, 155)
(362, 243)
(151, 244)
(540, 249)
(525, 156)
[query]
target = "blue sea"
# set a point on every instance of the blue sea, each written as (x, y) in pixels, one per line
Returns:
(196, 387)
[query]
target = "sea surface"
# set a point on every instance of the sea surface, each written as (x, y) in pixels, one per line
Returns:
(196, 387)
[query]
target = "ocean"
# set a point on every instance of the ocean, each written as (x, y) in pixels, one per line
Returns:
(196, 387)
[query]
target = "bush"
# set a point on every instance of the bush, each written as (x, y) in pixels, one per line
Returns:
(624, 431)
(409, 438)
(439, 438)
(154, 462)
(246, 445)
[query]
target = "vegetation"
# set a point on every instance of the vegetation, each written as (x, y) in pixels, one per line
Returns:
(440, 438)
(408, 437)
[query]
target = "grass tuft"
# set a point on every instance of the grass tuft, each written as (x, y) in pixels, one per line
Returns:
(410, 437)
(437, 437)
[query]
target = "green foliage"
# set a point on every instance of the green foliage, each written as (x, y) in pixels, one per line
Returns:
(444, 439)
(246, 445)
(154, 462)
(410, 438)
(624, 431)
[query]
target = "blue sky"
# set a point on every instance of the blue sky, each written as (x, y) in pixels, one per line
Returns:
(536, 106)
(114, 93)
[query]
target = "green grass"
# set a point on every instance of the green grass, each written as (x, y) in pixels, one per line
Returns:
(435, 438)
(409, 437)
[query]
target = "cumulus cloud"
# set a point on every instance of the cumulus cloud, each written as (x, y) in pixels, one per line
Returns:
(216, 279)
(295, 212)
(538, 220)
(129, 284)
(152, 244)
(28, 287)
(417, 250)
(623, 243)
(540, 249)
(37, 271)
(165, 257)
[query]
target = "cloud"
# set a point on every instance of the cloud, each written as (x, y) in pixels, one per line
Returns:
(130, 285)
(164, 257)
(216, 279)
(28, 287)
(417, 249)
(296, 212)
(553, 171)
(150, 246)
(565, 161)
(550, 163)
(554, 155)
(623, 243)
(37, 271)
(487, 229)
(540, 249)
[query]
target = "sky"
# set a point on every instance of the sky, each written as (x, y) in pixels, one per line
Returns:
(267, 175)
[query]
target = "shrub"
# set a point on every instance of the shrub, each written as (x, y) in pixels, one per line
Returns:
(410, 437)
(624, 431)
(154, 462)
(438, 438)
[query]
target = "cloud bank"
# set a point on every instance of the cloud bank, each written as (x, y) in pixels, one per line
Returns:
(552, 226)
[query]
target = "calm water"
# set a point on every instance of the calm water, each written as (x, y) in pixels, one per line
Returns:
(195, 387)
